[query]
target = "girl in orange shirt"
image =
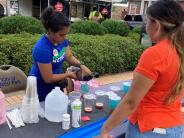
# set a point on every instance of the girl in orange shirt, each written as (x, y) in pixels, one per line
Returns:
(153, 102)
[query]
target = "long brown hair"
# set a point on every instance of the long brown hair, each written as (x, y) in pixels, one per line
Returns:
(171, 16)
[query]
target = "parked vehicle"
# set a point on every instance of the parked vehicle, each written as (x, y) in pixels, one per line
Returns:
(139, 20)
(135, 20)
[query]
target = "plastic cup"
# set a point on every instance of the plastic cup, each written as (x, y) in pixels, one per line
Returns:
(114, 101)
(100, 99)
(31, 88)
(30, 103)
(126, 86)
(88, 102)
(84, 87)
(74, 95)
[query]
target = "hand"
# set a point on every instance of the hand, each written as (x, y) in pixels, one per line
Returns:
(85, 70)
(71, 74)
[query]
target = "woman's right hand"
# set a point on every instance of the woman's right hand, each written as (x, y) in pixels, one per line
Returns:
(71, 74)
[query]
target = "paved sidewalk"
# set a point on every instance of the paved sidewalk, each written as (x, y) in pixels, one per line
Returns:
(15, 98)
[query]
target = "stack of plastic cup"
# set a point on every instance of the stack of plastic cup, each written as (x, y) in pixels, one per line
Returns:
(30, 104)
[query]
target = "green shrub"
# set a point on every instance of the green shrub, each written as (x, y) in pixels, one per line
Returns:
(134, 37)
(4, 60)
(18, 49)
(19, 24)
(137, 30)
(116, 27)
(87, 27)
(104, 54)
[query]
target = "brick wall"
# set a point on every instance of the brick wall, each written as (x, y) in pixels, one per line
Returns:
(134, 7)
(117, 10)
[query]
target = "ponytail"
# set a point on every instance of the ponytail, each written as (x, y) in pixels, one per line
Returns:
(178, 41)
(54, 20)
(46, 15)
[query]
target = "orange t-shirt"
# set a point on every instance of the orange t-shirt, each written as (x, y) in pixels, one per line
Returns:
(161, 64)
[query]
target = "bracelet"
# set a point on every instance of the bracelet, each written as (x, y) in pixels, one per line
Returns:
(79, 64)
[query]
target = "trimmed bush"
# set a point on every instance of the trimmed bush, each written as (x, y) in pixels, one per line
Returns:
(4, 60)
(137, 30)
(134, 37)
(116, 27)
(19, 24)
(88, 27)
(103, 54)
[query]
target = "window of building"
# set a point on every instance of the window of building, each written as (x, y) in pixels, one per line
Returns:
(14, 7)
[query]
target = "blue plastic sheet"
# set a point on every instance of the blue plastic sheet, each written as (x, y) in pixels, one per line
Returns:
(88, 131)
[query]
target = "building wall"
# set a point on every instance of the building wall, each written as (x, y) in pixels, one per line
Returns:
(143, 2)
(134, 6)
(25, 7)
(3, 3)
(117, 11)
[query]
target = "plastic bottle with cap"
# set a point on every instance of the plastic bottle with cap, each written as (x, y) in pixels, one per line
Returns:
(66, 122)
(76, 113)
(56, 104)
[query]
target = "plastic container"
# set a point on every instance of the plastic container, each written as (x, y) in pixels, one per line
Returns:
(66, 122)
(74, 95)
(76, 113)
(56, 104)
(126, 86)
(84, 87)
(89, 102)
(2, 108)
(100, 99)
(114, 101)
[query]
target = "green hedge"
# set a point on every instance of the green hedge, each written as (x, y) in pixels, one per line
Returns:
(103, 54)
(137, 30)
(116, 27)
(88, 27)
(106, 27)
(19, 24)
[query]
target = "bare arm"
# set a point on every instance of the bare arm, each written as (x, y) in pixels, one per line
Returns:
(49, 77)
(73, 61)
(140, 86)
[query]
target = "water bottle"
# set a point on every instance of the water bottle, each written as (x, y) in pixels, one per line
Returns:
(56, 104)
(76, 113)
